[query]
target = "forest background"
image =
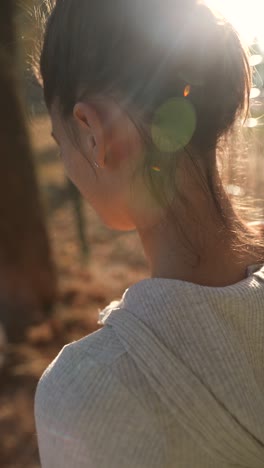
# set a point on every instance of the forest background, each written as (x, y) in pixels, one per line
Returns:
(94, 265)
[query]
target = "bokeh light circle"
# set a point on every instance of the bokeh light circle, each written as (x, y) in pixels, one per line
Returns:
(173, 125)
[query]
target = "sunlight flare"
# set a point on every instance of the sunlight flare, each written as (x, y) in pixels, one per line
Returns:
(247, 16)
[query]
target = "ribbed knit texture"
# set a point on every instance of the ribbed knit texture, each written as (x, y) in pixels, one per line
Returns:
(174, 379)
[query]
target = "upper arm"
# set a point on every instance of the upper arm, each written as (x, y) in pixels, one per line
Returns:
(86, 418)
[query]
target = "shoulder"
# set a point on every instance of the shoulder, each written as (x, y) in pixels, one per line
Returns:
(94, 372)
(79, 387)
(85, 415)
(78, 364)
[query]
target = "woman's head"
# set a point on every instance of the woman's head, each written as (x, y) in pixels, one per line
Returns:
(144, 83)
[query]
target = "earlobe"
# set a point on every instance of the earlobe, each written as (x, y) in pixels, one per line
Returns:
(89, 121)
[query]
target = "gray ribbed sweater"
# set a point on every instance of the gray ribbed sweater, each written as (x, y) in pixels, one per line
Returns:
(174, 379)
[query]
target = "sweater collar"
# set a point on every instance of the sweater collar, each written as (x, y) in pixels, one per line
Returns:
(166, 304)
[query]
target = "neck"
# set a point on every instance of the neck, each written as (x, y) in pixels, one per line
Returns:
(196, 246)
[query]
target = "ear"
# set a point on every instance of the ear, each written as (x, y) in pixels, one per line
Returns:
(91, 127)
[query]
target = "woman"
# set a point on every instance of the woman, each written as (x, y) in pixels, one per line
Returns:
(140, 94)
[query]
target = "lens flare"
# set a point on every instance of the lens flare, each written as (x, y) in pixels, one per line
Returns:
(173, 125)
(254, 93)
(187, 90)
(251, 122)
(156, 168)
(245, 15)
(255, 60)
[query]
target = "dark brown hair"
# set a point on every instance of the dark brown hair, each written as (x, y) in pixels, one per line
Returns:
(149, 52)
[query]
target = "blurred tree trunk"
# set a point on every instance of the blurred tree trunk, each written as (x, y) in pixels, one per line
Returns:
(27, 275)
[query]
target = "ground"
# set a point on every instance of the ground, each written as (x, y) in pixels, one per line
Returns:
(86, 285)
